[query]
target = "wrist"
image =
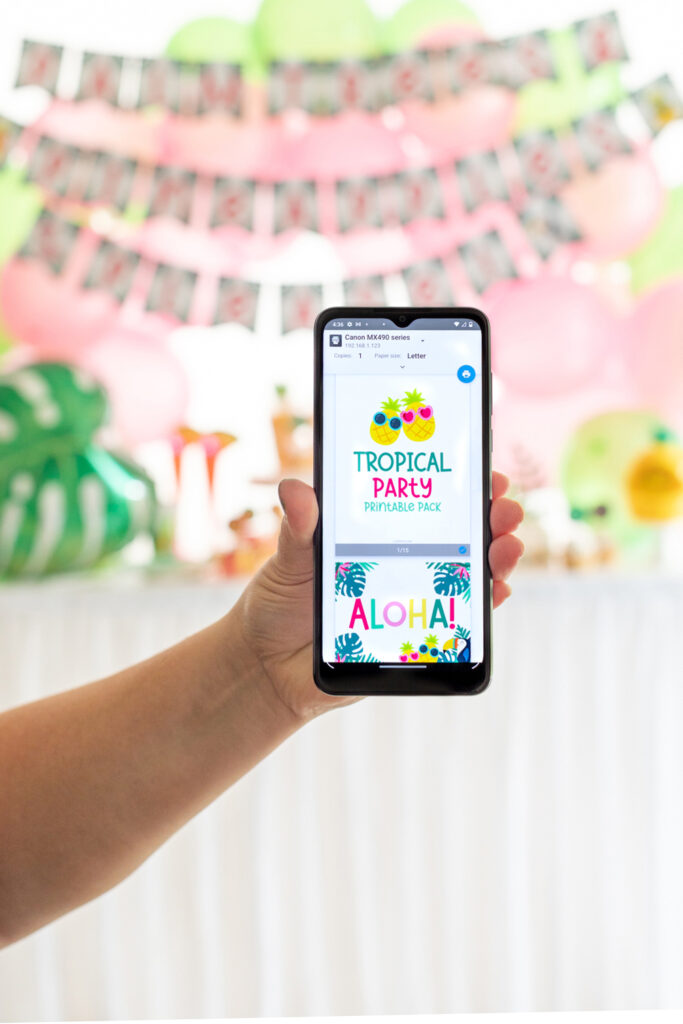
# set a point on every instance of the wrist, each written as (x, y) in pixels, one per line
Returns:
(244, 670)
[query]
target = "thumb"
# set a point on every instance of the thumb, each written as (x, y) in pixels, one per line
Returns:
(295, 545)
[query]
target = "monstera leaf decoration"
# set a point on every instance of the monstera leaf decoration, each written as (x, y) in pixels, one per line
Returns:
(65, 502)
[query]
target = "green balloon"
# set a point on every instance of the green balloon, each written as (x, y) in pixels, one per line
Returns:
(20, 204)
(575, 91)
(211, 39)
(305, 30)
(418, 17)
(661, 256)
(594, 470)
(65, 502)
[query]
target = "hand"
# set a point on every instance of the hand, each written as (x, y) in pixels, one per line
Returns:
(276, 610)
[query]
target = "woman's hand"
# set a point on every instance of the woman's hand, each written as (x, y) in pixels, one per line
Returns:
(274, 617)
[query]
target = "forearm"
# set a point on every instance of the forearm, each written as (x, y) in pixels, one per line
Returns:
(94, 779)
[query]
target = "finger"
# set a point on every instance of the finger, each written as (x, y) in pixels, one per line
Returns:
(504, 553)
(506, 515)
(501, 591)
(499, 484)
(295, 544)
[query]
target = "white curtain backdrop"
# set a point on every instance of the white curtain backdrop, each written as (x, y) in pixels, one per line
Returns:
(520, 850)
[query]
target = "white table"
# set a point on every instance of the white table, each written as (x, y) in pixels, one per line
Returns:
(518, 850)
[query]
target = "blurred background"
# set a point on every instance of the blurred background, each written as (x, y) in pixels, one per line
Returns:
(179, 196)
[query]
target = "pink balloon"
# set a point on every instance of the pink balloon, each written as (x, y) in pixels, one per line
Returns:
(146, 384)
(53, 315)
(616, 207)
(550, 335)
(95, 125)
(655, 347)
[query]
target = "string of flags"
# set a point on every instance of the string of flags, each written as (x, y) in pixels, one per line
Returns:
(319, 88)
(170, 289)
(535, 160)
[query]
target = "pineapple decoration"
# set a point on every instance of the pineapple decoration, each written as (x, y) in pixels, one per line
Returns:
(386, 424)
(429, 650)
(418, 418)
(408, 652)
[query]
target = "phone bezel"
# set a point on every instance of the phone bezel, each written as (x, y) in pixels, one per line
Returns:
(368, 678)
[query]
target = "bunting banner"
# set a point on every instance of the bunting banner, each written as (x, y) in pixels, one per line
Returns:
(232, 202)
(295, 205)
(364, 291)
(171, 292)
(480, 179)
(600, 40)
(543, 166)
(39, 64)
(50, 242)
(659, 103)
(301, 304)
(547, 223)
(600, 138)
(428, 284)
(172, 193)
(534, 160)
(486, 260)
(112, 270)
(320, 88)
(169, 289)
(236, 302)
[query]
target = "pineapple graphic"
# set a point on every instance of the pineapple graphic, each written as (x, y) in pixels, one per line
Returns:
(429, 650)
(386, 424)
(418, 418)
(408, 652)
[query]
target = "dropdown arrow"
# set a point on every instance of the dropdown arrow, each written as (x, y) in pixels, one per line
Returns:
(403, 367)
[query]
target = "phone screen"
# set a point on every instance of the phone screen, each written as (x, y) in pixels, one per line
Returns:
(404, 492)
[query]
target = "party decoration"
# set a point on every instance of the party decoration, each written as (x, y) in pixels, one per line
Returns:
(659, 103)
(39, 64)
(65, 502)
(661, 255)
(146, 385)
(550, 334)
(293, 433)
(655, 481)
(320, 65)
(603, 467)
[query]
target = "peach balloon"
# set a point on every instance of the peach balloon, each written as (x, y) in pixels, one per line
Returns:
(616, 207)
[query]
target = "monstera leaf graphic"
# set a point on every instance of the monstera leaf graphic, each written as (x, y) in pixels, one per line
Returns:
(349, 647)
(65, 502)
(350, 578)
(449, 655)
(451, 579)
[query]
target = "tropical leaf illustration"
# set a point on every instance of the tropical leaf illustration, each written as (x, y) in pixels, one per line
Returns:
(449, 655)
(350, 578)
(451, 579)
(461, 633)
(349, 647)
(66, 502)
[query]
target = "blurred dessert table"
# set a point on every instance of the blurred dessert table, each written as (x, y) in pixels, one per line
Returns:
(516, 851)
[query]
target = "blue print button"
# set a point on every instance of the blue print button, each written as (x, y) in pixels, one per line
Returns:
(466, 374)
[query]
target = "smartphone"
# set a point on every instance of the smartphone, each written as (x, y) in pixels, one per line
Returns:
(402, 588)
